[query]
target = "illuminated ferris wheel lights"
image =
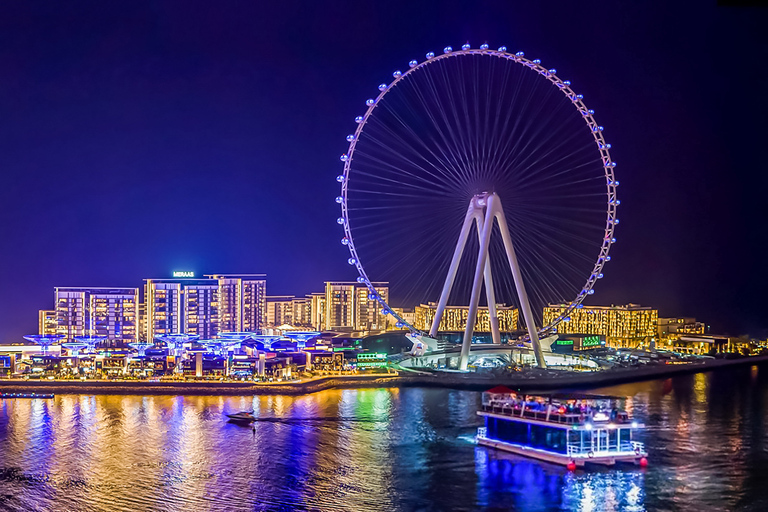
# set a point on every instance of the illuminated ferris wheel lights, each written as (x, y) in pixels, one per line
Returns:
(591, 291)
(615, 221)
(430, 55)
(613, 240)
(502, 48)
(372, 296)
(553, 71)
(382, 87)
(360, 279)
(340, 221)
(370, 102)
(483, 46)
(359, 119)
(350, 138)
(345, 241)
(465, 47)
(340, 178)
(352, 261)
(397, 74)
(447, 49)
(599, 276)
(567, 82)
(607, 258)
(339, 199)
(579, 96)
(591, 111)
(520, 54)
(413, 63)
(344, 157)
(536, 61)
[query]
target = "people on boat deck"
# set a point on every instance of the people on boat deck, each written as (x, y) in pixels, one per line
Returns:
(584, 409)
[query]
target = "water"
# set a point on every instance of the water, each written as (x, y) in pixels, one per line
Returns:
(373, 449)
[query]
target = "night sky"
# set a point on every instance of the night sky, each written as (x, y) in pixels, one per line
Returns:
(137, 138)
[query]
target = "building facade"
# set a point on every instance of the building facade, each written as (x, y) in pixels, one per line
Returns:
(279, 310)
(627, 326)
(109, 312)
(455, 318)
(349, 307)
(46, 321)
(242, 302)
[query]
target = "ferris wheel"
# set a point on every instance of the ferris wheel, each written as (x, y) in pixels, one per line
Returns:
(437, 151)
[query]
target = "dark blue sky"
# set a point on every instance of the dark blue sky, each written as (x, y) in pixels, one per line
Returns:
(141, 137)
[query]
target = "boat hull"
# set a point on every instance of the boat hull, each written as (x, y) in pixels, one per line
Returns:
(563, 459)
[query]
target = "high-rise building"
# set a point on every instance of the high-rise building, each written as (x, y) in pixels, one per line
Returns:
(46, 321)
(201, 308)
(183, 305)
(280, 310)
(622, 326)
(110, 312)
(368, 316)
(455, 318)
(317, 310)
(348, 307)
(302, 312)
(242, 302)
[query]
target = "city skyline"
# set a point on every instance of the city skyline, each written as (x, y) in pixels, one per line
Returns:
(160, 142)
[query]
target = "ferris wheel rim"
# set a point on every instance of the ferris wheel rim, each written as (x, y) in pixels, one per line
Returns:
(576, 99)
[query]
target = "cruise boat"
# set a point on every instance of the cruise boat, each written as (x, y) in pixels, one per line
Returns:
(572, 430)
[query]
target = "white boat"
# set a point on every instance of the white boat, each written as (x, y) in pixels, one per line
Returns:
(242, 417)
(572, 430)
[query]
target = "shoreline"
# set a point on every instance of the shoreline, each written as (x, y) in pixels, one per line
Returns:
(470, 382)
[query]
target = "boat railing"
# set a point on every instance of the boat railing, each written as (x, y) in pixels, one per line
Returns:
(553, 416)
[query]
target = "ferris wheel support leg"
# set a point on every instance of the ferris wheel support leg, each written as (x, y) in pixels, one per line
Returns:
(482, 258)
(493, 316)
(449, 279)
(525, 306)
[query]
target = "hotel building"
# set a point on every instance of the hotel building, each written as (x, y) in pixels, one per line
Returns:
(455, 318)
(317, 310)
(46, 321)
(623, 326)
(349, 308)
(110, 312)
(279, 310)
(181, 305)
(242, 302)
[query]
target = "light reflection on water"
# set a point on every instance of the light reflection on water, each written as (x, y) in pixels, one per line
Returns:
(372, 449)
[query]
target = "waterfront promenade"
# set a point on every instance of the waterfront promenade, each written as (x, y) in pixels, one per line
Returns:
(533, 379)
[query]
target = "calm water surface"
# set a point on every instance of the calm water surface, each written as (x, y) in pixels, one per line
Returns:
(373, 449)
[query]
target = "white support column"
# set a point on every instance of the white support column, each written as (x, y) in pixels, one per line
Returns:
(490, 295)
(493, 316)
(482, 257)
(525, 306)
(457, 253)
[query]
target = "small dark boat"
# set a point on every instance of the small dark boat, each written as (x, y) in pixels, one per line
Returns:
(242, 417)
(26, 395)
